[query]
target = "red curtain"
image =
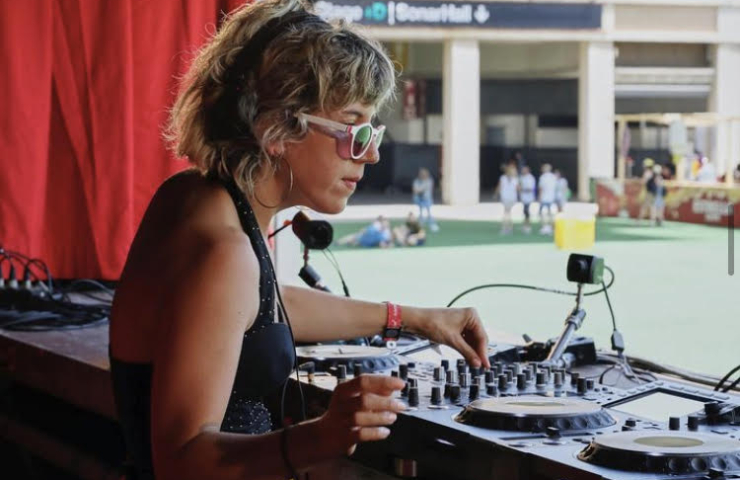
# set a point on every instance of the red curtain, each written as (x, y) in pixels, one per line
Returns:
(85, 92)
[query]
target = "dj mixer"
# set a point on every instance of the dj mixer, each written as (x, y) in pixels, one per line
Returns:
(533, 420)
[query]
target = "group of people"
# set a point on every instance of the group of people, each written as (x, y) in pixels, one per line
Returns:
(381, 234)
(518, 184)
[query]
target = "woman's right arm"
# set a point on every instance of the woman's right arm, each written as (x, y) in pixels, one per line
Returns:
(199, 342)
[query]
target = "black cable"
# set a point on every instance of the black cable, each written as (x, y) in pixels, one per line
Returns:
(285, 225)
(335, 264)
(732, 386)
(531, 287)
(609, 303)
(720, 384)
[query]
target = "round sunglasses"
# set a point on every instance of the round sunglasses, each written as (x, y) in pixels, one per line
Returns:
(353, 141)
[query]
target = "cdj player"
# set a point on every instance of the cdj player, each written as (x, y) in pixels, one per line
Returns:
(541, 412)
(528, 420)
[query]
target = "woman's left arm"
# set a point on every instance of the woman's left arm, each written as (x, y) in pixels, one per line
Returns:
(318, 316)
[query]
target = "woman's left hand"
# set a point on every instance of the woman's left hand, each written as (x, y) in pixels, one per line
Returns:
(460, 328)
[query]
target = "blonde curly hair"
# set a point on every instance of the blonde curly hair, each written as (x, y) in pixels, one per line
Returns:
(270, 60)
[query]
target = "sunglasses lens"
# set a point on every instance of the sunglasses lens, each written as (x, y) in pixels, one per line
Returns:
(362, 141)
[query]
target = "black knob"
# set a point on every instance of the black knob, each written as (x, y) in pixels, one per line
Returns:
(447, 390)
(552, 432)
(474, 392)
(357, 369)
(414, 382)
(412, 365)
(489, 376)
(445, 364)
(528, 374)
(521, 381)
(631, 422)
(438, 374)
(394, 373)
(574, 378)
(503, 383)
(413, 396)
(342, 372)
(558, 379)
(405, 390)
(517, 368)
(436, 395)
(693, 422)
(464, 380)
(674, 423)
(590, 383)
(455, 392)
(541, 381)
(712, 408)
(581, 385)
(451, 377)
(509, 375)
(475, 371)
(498, 368)
(476, 381)
(492, 390)
(403, 371)
(461, 364)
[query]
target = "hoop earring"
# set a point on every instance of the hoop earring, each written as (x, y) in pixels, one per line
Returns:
(290, 189)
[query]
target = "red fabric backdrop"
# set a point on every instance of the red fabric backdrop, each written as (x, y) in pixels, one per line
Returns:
(85, 91)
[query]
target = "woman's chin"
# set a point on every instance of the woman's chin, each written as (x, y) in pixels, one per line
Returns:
(330, 206)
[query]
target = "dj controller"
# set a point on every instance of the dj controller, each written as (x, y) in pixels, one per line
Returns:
(524, 419)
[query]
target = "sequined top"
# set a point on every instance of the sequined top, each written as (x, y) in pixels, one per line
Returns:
(267, 358)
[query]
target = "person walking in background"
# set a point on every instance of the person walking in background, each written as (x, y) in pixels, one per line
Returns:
(507, 190)
(647, 195)
(527, 189)
(656, 186)
(423, 189)
(562, 192)
(547, 186)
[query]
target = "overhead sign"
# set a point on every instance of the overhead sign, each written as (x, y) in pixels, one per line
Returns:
(462, 14)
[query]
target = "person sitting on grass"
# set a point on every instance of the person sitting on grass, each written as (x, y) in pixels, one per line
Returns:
(377, 234)
(411, 233)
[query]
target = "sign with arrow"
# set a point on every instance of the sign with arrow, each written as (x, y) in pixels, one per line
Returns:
(512, 15)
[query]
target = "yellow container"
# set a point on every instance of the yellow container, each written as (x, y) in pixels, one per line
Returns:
(575, 233)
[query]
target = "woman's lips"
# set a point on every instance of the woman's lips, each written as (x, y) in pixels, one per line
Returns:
(351, 182)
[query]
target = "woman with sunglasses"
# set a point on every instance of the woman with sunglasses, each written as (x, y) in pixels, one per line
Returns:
(277, 110)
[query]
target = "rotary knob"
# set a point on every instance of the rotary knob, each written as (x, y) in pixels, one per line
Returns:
(521, 381)
(630, 422)
(541, 381)
(474, 392)
(436, 395)
(445, 364)
(574, 377)
(590, 383)
(489, 376)
(413, 396)
(674, 423)
(582, 386)
(492, 390)
(503, 383)
(438, 374)
(558, 379)
(403, 371)
(341, 373)
(693, 422)
(357, 369)
(454, 392)
(464, 380)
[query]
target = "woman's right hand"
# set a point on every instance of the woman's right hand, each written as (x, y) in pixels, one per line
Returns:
(359, 411)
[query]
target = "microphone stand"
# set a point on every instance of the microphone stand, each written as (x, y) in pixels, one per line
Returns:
(572, 323)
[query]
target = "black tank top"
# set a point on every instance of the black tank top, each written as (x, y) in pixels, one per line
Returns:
(267, 358)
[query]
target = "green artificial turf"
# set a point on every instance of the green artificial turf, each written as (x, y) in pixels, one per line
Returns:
(673, 298)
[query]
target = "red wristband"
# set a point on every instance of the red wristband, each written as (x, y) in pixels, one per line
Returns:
(393, 325)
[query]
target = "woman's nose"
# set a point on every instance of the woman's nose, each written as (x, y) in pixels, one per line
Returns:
(372, 156)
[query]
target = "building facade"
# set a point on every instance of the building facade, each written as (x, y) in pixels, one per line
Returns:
(482, 80)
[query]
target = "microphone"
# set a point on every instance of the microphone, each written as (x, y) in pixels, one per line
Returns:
(315, 234)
